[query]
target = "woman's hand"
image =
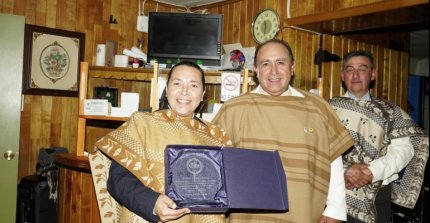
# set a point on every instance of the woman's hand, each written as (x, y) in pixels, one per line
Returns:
(166, 210)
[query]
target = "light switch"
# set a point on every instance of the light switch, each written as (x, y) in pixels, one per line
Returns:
(142, 23)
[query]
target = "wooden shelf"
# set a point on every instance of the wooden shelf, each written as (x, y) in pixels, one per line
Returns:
(377, 15)
(132, 74)
(125, 70)
(104, 117)
(145, 74)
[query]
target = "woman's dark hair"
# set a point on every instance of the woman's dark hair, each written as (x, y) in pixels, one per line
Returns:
(163, 103)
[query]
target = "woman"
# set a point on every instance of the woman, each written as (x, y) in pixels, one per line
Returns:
(136, 176)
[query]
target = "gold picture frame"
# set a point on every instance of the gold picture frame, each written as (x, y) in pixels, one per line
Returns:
(51, 61)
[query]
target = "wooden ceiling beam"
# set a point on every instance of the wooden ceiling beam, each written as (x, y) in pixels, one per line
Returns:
(371, 16)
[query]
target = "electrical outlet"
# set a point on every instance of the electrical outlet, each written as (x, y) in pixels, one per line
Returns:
(142, 23)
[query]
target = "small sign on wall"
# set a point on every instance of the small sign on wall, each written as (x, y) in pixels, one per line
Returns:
(230, 85)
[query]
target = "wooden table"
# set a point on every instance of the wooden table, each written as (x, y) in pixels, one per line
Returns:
(76, 196)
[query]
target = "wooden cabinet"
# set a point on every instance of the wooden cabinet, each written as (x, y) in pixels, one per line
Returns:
(77, 200)
(76, 195)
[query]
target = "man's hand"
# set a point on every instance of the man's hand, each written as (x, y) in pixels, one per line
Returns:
(165, 209)
(357, 175)
(325, 219)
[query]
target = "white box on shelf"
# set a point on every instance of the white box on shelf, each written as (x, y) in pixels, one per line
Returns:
(96, 107)
(121, 61)
(119, 112)
(129, 103)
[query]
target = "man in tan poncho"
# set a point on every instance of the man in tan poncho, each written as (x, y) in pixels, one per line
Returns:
(304, 129)
(135, 155)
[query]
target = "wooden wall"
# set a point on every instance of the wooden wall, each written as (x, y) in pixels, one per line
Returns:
(48, 121)
(52, 121)
(391, 70)
(309, 7)
(391, 65)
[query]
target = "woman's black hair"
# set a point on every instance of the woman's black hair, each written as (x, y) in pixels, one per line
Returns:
(163, 103)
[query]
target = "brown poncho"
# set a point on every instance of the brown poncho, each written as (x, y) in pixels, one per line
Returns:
(308, 136)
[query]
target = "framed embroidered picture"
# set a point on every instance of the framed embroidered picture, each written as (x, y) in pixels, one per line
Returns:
(51, 61)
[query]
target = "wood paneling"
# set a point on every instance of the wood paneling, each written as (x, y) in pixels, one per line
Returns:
(303, 44)
(391, 70)
(48, 121)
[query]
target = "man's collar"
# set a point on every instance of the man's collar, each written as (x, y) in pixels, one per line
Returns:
(290, 92)
(366, 97)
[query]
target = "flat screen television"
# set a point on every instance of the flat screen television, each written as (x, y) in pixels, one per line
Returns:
(173, 37)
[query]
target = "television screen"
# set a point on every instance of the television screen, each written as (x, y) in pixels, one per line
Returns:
(173, 37)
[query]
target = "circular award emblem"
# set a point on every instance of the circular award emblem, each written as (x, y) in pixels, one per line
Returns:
(194, 166)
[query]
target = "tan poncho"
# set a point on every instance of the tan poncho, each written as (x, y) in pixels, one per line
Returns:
(138, 145)
(307, 134)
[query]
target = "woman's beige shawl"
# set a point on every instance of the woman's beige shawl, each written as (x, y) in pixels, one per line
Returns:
(138, 145)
